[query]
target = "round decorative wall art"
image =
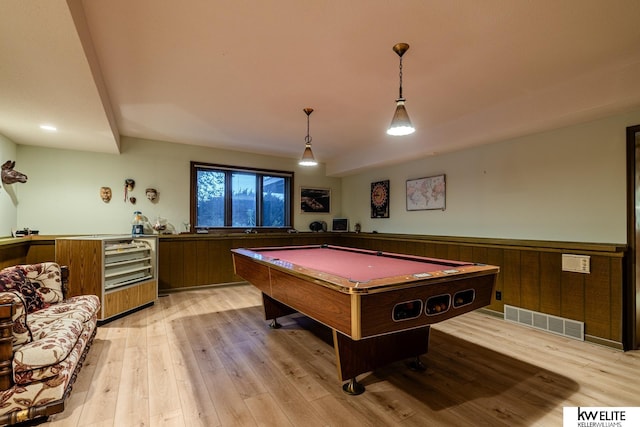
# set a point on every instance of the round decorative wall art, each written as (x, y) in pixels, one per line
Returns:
(380, 199)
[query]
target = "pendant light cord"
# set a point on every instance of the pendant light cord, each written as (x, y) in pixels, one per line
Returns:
(308, 138)
(400, 92)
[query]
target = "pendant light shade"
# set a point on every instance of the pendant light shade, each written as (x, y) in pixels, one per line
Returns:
(307, 156)
(400, 124)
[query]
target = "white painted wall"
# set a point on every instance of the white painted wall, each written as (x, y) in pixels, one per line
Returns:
(563, 185)
(8, 193)
(62, 195)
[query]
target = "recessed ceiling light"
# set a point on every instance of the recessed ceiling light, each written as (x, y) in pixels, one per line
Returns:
(48, 128)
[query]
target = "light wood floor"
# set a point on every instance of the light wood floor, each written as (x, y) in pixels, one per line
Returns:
(206, 358)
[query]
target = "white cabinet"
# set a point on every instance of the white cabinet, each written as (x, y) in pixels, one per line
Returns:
(121, 270)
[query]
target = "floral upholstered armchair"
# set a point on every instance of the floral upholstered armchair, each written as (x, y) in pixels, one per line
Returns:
(44, 338)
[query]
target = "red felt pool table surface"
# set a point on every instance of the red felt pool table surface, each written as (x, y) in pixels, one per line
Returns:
(359, 265)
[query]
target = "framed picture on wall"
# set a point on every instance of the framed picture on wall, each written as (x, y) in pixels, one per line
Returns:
(315, 200)
(380, 199)
(426, 193)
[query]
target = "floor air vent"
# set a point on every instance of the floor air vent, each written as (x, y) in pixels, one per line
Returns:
(546, 322)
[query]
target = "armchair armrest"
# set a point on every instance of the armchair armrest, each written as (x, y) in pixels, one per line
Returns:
(64, 277)
(6, 344)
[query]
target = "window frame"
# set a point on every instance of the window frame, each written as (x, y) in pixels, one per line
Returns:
(228, 170)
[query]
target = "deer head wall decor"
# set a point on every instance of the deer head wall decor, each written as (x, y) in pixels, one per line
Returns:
(10, 175)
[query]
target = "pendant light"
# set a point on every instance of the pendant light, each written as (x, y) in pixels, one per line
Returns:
(307, 157)
(400, 124)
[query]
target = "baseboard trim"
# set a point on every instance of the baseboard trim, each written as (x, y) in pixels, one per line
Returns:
(604, 342)
(162, 292)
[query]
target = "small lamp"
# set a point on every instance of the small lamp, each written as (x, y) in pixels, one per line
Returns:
(307, 156)
(400, 124)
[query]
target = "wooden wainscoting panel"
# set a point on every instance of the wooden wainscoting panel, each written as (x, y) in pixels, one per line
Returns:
(211, 256)
(442, 250)
(170, 254)
(495, 256)
(191, 263)
(394, 246)
(616, 284)
(13, 254)
(453, 252)
(480, 254)
(413, 247)
(550, 283)
(221, 263)
(597, 298)
(511, 275)
(354, 241)
(429, 249)
(573, 295)
(41, 250)
(530, 280)
(466, 253)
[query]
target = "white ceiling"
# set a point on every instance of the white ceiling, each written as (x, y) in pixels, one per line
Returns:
(237, 74)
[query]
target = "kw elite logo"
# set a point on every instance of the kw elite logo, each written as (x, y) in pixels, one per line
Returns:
(601, 417)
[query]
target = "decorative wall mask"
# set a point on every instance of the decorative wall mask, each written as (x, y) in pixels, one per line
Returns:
(152, 194)
(133, 200)
(10, 175)
(105, 194)
(129, 185)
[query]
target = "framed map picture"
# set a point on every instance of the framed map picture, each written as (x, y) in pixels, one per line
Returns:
(380, 199)
(426, 193)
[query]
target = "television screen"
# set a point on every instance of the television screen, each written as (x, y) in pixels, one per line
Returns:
(340, 224)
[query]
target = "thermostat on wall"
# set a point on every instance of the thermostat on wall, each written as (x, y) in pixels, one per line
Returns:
(576, 263)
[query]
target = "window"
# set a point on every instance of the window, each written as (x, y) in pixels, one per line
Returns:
(229, 196)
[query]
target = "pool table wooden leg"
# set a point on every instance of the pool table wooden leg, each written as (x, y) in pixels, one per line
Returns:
(274, 324)
(274, 309)
(353, 387)
(357, 357)
(417, 365)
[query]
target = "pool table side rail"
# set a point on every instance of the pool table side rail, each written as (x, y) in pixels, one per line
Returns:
(321, 303)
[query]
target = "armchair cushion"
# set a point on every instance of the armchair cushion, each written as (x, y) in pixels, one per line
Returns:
(82, 308)
(38, 359)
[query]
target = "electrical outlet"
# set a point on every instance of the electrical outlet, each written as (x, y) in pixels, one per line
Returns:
(498, 295)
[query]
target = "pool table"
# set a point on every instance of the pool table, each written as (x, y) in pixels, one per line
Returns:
(378, 305)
